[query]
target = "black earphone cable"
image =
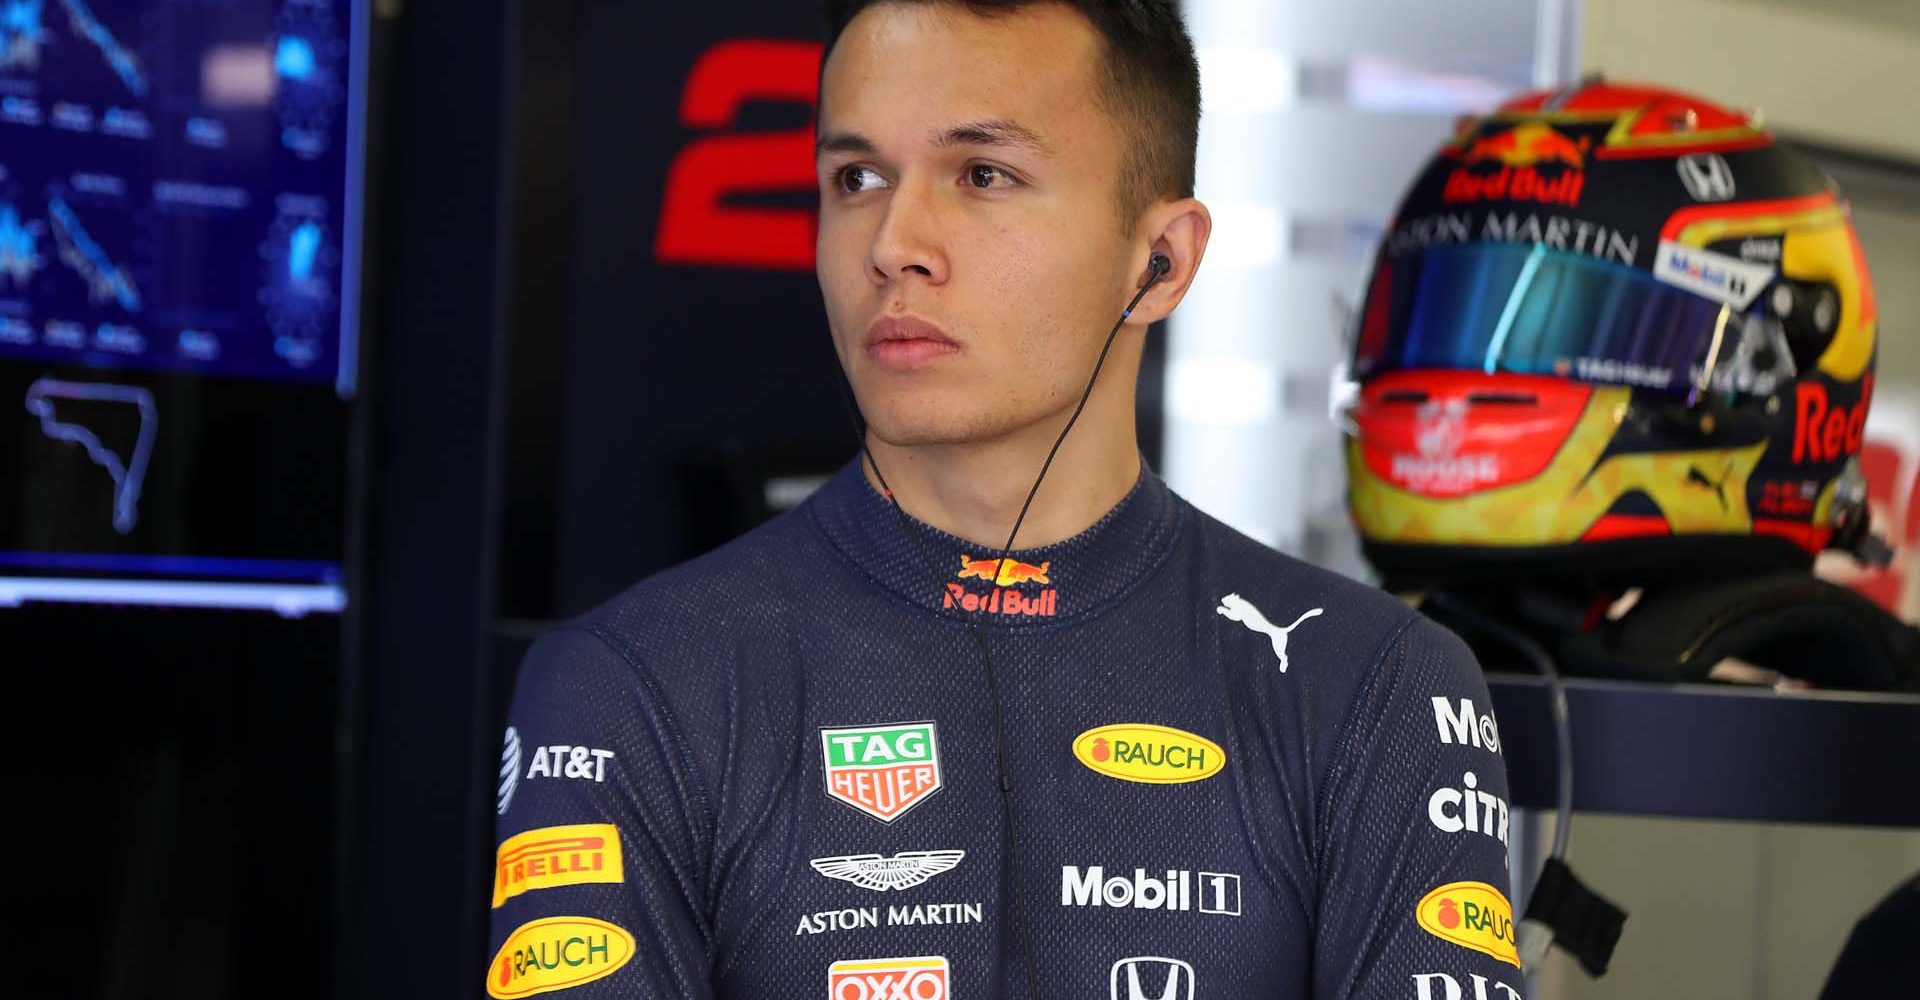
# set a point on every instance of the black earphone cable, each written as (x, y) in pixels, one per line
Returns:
(1158, 268)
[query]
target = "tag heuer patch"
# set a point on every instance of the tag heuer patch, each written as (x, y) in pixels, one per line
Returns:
(884, 770)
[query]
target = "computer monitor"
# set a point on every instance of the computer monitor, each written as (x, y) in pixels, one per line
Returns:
(180, 212)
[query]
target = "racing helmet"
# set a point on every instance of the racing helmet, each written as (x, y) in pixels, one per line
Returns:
(1613, 332)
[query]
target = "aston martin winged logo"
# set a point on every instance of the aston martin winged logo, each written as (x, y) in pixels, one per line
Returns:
(902, 871)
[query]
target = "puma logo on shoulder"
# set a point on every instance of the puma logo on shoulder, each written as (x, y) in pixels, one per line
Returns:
(1239, 609)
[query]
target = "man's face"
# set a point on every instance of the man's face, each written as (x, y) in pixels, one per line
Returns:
(969, 252)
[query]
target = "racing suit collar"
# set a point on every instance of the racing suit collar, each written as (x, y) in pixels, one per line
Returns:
(940, 572)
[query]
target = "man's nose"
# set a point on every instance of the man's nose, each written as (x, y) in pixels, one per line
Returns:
(908, 240)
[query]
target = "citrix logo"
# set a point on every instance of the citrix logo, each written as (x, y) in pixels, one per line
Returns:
(1450, 988)
(1452, 810)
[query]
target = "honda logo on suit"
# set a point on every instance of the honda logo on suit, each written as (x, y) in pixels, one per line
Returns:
(1149, 978)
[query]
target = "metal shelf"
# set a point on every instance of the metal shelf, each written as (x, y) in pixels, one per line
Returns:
(1717, 752)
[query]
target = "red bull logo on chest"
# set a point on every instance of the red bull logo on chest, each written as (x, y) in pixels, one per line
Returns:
(884, 770)
(1007, 580)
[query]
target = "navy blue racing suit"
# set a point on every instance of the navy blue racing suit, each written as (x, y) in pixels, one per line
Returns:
(770, 773)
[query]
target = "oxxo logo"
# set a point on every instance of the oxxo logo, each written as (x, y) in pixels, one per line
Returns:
(1452, 810)
(1440, 986)
(1472, 915)
(557, 855)
(557, 953)
(1150, 977)
(882, 771)
(924, 978)
(1219, 891)
(1466, 727)
(1155, 755)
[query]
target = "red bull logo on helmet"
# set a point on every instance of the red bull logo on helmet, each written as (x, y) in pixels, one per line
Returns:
(1005, 577)
(1516, 157)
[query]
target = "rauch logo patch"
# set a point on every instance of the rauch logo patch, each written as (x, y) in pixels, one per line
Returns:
(557, 953)
(1155, 755)
(882, 771)
(1472, 915)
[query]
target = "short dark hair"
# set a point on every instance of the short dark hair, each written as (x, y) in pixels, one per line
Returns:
(1151, 86)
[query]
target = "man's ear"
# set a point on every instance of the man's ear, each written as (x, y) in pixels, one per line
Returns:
(1177, 230)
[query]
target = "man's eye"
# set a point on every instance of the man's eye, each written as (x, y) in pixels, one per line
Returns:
(856, 179)
(982, 176)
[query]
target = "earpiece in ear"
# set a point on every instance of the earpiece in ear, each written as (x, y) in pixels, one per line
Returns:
(1159, 265)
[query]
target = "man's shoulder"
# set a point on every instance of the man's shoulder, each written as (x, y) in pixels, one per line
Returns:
(1255, 570)
(731, 586)
(685, 643)
(1356, 661)
(1341, 636)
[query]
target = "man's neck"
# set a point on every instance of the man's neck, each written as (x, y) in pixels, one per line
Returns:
(974, 490)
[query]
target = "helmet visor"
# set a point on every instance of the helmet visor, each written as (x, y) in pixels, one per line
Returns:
(1536, 310)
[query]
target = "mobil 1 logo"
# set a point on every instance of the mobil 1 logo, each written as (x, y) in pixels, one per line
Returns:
(1459, 722)
(1179, 891)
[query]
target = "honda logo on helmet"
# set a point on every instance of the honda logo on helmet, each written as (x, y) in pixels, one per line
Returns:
(1707, 177)
(1166, 978)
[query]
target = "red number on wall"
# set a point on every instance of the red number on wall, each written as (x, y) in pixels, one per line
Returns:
(696, 224)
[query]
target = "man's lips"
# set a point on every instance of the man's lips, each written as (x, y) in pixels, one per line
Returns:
(907, 342)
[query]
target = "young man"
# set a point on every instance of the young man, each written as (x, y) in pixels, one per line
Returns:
(857, 755)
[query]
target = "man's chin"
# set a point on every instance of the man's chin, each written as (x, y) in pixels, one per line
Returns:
(917, 434)
(924, 428)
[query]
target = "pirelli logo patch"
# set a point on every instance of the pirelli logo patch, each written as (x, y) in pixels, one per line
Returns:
(557, 855)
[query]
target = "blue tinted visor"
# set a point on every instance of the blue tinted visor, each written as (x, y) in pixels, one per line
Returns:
(1535, 310)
